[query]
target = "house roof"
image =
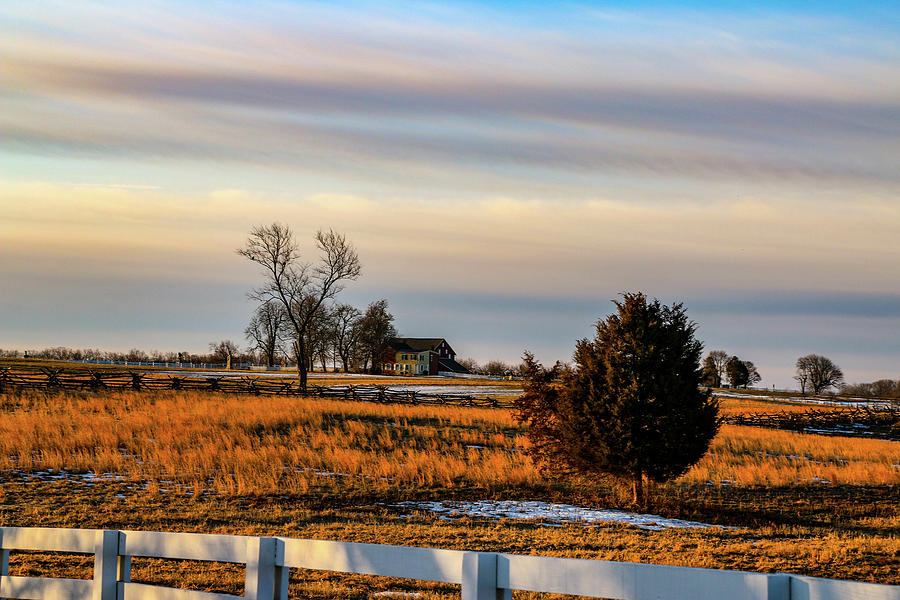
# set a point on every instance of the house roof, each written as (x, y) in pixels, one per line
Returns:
(415, 344)
(445, 364)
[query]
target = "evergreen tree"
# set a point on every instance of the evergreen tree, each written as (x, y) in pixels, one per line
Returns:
(631, 407)
(738, 373)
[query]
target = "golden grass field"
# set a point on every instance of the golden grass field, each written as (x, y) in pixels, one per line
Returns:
(299, 467)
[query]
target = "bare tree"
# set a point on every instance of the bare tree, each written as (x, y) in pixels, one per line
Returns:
(714, 367)
(496, 368)
(888, 389)
(753, 376)
(376, 331)
(802, 376)
(819, 372)
(267, 329)
(320, 339)
(224, 350)
(470, 364)
(347, 329)
(301, 288)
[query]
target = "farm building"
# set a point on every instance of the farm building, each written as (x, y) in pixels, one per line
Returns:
(420, 356)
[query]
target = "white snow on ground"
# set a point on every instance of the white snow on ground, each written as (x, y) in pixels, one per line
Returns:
(469, 390)
(51, 475)
(548, 513)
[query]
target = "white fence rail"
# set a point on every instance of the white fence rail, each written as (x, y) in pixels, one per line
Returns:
(482, 575)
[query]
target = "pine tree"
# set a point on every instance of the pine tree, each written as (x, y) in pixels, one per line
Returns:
(631, 407)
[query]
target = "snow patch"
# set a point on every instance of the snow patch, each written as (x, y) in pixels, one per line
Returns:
(550, 514)
(451, 390)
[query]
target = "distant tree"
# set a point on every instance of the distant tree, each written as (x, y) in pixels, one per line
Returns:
(738, 374)
(320, 337)
(496, 368)
(301, 288)
(94, 354)
(347, 325)
(883, 388)
(714, 368)
(753, 376)
(136, 355)
(802, 376)
(223, 351)
(819, 372)
(631, 407)
(376, 331)
(56, 353)
(267, 330)
(886, 388)
(470, 364)
(709, 374)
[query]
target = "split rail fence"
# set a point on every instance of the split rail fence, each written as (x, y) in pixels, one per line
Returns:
(883, 423)
(48, 379)
(481, 575)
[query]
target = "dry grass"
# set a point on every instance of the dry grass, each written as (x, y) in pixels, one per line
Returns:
(736, 406)
(244, 445)
(755, 456)
(326, 469)
(239, 445)
(831, 532)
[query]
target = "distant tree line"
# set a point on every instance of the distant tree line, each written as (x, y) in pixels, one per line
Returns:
(814, 373)
(719, 368)
(883, 388)
(339, 337)
(133, 355)
(493, 368)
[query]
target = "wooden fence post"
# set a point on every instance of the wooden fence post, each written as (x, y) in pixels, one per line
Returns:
(106, 565)
(266, 577)
(479, 577)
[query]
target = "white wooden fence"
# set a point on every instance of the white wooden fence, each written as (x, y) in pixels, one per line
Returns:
(482, 575)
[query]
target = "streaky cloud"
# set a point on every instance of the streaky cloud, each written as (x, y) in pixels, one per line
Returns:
(310, 92)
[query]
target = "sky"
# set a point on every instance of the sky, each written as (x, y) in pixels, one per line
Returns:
(505, 170)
